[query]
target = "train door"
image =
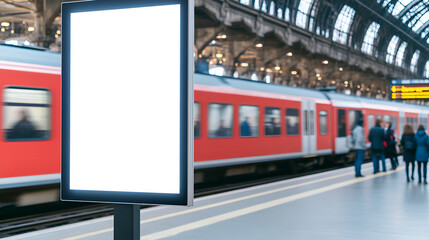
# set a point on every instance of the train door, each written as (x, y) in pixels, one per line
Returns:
(308, 127)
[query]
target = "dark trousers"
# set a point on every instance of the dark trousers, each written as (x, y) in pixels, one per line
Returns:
(393, 161)
(378, 155)
(407, 164)
(359, 160)
(425, 170)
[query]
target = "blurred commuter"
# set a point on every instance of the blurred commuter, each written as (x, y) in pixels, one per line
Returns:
(24, 128)
(376, 137)
(390, 150)
(196, 128)
(222, 131)
(422, 153)
(245, 128)
(272, 128)
(358, 137)
(409, 144)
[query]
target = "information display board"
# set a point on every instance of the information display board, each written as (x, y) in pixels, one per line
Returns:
(127, 97)
(409, 89)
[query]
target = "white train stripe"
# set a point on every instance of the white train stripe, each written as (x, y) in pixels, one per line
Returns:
(15, 182)
(28, 67)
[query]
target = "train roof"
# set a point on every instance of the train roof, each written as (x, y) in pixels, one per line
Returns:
(21, 54)
(351, 98)
(245, 84)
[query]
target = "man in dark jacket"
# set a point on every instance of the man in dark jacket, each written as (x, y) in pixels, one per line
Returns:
(377, 137)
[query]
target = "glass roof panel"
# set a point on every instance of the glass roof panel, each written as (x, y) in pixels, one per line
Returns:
(368, 40)
(342, 24)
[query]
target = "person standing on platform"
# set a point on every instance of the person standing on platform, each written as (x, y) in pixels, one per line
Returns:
(391, 146)
(422, 153)
(376, 137)
(409, 144)
(358, 136)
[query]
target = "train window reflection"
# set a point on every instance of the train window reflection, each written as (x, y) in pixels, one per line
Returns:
(26, 114)
(394, 123)
(249, 121)
(341, 123)
(371, 121)
(272, 121)
(292, 121)
(220, 120)
(197, 120)
(323, 122)
(354, 116)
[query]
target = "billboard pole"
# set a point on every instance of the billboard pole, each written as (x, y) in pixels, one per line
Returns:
(126, 224)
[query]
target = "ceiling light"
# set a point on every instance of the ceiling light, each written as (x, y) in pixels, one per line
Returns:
(319, 78)
(2, 29)
(325, 62)
(12, 31)
(219, 55)
(5, 24)
(341, 69)
(58, 31)
(259, 45)
(317, 74)
(289, 54)
(269, 70)
(31, 29)
(294, 72)
(262, 69)
(277, 68)
(244, 64)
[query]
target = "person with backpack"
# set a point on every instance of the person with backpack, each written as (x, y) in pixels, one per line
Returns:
(358, 138)
(409, 145)
(422, 153)
(390, 150)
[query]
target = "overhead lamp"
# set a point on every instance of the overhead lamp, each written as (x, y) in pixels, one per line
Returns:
(319, 78)
(341, 69)
(346, 82)
(244, 64)
(200, 55)
(5, 24)
(325, 62)
(2, 29)
(262, 69)
(58, 31)
(31, 29)
(289, 54)
(280, 71)
(219, 55)
(12, 31)
(333, 81)
(294, 72)
(259, 45)
(317, 74)
(277, 68)
(56, 36)
(268, 70)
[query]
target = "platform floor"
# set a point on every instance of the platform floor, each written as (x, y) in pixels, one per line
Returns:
(331, 205)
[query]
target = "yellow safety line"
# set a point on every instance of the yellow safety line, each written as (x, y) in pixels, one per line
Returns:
(196, 209)
(244, 211)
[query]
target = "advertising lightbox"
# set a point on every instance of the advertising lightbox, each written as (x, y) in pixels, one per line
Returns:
(127, 97)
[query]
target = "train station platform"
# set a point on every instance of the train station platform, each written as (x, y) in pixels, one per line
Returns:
(329, 205)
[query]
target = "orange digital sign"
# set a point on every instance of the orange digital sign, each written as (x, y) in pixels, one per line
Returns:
(409, 89)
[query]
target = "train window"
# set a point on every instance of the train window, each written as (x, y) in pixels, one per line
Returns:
(379, 117)
(305, 122)
(249, 121)
(415, 124)
(424, 121)
(27, 114)
(292, 121)
(197, 120)
(323, 122)
(220, 120)
(311, 122)
(371, 122)
(272, 121)
(394, 122)
(386, 118)
(354, 116)
(341, 123)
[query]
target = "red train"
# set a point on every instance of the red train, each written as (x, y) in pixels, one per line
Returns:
(236, 121)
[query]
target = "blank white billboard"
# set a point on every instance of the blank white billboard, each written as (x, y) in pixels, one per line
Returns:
(125, 100)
